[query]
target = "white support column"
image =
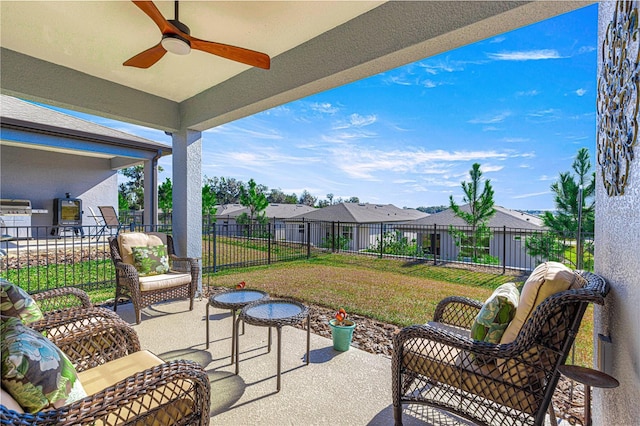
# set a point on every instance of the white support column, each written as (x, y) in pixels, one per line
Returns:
(187, 194)
(150, 170)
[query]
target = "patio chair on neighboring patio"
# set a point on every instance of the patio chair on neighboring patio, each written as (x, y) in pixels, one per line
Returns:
(143, 274)
(511, 382)
(122, 384)
(110, 219)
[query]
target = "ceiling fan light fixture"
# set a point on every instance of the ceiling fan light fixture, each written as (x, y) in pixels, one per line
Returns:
(175, 44)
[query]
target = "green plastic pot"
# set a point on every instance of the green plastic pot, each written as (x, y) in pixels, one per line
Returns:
(342, 334)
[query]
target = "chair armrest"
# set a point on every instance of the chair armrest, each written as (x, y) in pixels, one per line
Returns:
(89, 337)
(457, 311)
(129, 271)
(194, 264)
(159, 391)
(62, 298)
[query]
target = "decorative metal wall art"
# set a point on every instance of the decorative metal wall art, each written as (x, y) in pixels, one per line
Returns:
(617, 101)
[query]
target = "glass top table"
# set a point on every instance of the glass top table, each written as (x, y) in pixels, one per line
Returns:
(233, 300)
(273, 313)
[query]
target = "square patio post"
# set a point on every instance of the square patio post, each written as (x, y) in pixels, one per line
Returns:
(187, 194)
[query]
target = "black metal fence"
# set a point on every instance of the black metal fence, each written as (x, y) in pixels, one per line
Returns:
(54, 257)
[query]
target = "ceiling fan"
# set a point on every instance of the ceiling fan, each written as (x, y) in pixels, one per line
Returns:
(176, 38)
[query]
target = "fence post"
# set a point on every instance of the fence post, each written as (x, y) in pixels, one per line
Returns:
(434, 238)
(269, 243)
(381, 240)
(504, 249)
(308, 239)
(333, 236)
(215, 249)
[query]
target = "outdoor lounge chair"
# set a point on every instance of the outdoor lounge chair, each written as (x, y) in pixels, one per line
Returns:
(110, 220)
(124, 385)
(179, 282)
(439, 365)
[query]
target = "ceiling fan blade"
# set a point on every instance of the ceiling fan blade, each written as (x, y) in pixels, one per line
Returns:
(147, 58)
(152, 12)
(238, 54)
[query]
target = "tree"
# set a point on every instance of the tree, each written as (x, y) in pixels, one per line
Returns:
(480, 208)
(208, 201)
(165, 196)
(307, 199)
(133, 189)
(277, 196)
(570, 214)
(226, 190)
(354, 200)
(253, 197)
(566, 191)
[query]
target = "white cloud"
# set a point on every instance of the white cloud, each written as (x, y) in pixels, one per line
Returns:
(515, 140)
(324, 108)
(528, 93)
(586, 49)
(358, 120)
(498, 39)
(499, 118)
(545, 178)
(533, 194)
(489, 169)
(581, 92)
(526, 55)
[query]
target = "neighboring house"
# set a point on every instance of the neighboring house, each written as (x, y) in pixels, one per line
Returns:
(277, 213)
(361, 224)
(509, 230)
(45, 154)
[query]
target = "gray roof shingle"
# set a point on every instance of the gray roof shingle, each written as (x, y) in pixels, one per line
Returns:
(362, 213)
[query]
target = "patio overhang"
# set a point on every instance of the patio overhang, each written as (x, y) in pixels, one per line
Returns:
(48, 56)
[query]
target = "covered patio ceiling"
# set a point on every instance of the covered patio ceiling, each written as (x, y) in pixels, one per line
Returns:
(70, 54)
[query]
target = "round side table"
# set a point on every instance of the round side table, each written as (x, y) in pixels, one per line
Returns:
(588, 377)
(233, 300)
(274, 313)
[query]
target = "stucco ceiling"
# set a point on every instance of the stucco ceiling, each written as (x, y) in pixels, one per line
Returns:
(70, 53)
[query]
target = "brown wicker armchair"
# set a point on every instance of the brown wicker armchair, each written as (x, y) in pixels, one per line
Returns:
(125, 385)
(179, 283)
(439, 365)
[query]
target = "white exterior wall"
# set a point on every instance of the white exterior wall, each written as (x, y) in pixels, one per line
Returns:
(50, 175)
(617, 259)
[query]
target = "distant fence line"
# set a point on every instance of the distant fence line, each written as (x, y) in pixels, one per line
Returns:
(56, 257)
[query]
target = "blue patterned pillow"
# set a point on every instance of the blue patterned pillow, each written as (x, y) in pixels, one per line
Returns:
(35, 372)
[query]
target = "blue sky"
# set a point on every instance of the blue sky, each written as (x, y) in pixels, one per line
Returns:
(521, 104)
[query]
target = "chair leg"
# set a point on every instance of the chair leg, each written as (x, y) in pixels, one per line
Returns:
(397, 415)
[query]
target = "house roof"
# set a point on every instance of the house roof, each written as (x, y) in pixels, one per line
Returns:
(274, 210)
(503, 217)
(362, 213)
(17, 115)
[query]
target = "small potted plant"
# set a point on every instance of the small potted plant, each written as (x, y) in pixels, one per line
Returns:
(341, 331)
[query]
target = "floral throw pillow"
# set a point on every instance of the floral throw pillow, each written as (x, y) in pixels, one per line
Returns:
(34, 371)
(151, 260)
(15, 302)
(496, 314)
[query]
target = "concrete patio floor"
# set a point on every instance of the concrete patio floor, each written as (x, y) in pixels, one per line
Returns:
(348, 388)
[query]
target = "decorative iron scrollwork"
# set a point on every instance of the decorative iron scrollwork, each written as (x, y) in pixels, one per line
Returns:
(617, 102)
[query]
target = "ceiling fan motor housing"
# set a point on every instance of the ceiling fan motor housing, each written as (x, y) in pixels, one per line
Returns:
(175, 43)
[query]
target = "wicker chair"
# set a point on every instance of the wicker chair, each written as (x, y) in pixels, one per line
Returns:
(185, 272)
(439, 365)
(155, 392)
